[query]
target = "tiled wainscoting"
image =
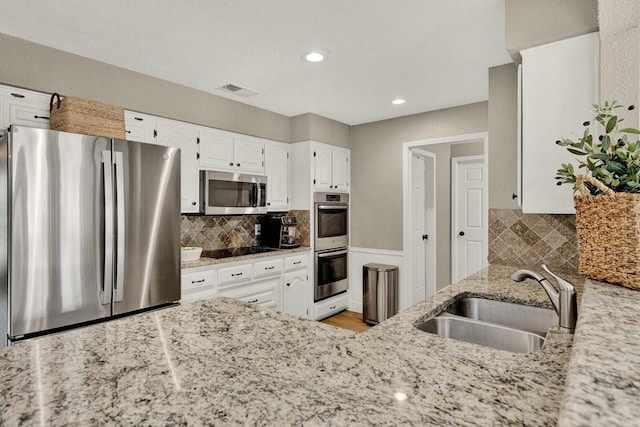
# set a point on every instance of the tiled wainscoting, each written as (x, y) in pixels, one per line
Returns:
(529, 240)
(234, 231)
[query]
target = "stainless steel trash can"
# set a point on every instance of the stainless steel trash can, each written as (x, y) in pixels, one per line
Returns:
(379, 292)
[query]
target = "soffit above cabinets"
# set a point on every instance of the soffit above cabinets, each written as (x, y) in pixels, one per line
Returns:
(433, 53)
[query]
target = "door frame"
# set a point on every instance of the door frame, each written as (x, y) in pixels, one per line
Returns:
(455, 164)
(430, 223)
(406, 285)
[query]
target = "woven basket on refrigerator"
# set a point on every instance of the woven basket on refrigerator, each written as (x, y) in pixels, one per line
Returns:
(86, 117)
(608, 228)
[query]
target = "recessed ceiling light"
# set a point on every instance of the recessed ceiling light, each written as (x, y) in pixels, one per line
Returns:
(315, 56)
(398, 101)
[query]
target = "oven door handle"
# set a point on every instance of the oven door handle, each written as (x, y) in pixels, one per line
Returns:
(334, 207)
(332, 253)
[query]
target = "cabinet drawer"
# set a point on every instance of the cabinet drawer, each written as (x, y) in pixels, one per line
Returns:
(268, 268)
(199, 285)
(235, 274)
(331, 306)
(296, 262)
(262, 294)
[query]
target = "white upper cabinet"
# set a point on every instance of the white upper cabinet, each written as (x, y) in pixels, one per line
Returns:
(560, 82)
(331, 168)
(276, 168)
(230, 152)
(23, 108)
(341, 169)
(216, 150)
(139, 127)
(249, 154)
(185, 137)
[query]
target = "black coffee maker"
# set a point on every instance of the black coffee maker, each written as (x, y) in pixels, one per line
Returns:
(279, 231)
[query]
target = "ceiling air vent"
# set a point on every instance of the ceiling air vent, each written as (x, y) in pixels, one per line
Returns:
(237, 90)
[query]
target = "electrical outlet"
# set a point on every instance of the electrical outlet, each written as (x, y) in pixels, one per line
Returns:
(257, 230)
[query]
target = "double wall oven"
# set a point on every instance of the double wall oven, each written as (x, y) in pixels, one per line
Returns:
(331, 238)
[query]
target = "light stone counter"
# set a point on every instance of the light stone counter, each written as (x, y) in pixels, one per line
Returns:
(222, 362)
(211, 261)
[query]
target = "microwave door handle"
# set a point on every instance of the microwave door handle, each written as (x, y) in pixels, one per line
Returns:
(256, 195)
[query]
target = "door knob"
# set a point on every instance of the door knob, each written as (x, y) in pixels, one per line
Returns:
(461, 233)
(425, 237)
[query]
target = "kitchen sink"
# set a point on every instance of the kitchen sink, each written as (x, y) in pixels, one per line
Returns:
(481, 333)
(497, 324)
(518, 316)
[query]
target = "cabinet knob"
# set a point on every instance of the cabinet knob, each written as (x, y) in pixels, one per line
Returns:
(231, 164)
(288, 284)
(268, 203)
(193, 203)
(461, 233)
(238, 164)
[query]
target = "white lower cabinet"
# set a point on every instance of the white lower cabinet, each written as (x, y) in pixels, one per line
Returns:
(278, 282)
(199, 285)
(331, 306)
(265, 293)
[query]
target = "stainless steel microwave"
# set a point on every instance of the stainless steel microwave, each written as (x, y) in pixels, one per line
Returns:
(225, 193)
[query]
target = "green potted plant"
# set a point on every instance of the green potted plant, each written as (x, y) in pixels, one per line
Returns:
(608, 197)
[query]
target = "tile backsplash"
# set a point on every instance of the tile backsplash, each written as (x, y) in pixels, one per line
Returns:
(232, 231)
(528, 240)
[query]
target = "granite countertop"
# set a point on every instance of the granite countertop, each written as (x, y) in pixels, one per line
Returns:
(211, 261)
(224, 362)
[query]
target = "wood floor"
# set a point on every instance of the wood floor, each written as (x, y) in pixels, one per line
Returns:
(347, 320)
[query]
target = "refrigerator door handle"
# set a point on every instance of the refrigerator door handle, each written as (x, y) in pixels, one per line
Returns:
(120, 240)
(107, 165)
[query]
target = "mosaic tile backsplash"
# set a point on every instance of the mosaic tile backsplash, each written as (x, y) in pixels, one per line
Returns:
(235, 231)
(529, 240)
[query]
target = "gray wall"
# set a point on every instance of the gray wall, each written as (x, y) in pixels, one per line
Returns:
(444, 153)
(376, 168)
(503, 100)
(33, 66)
(531, 23)
(313, 127)
(620, 55)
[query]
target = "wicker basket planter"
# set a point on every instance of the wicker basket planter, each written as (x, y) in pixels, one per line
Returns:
(86, 117)
(608, 228)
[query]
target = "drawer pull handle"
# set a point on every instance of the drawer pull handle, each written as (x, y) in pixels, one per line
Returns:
(139, 118)
(297, 262)
(41, 117)
(197, 281)
(333, 307)
(236, 274)
(270, 268)
(253, 301)
(17, 95)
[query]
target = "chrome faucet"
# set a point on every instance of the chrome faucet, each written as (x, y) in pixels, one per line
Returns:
(564, 301)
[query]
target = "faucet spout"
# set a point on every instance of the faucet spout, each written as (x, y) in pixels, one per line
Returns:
(564, 301)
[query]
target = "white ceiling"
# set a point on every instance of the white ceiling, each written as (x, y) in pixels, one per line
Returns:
(434, 53)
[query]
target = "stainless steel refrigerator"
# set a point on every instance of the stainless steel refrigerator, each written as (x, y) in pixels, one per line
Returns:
(89, 229)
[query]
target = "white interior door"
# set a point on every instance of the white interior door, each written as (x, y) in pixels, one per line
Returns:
(468, 216)
(422, 227)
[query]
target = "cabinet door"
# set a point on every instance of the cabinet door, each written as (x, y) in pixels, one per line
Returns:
(184, 137)
(23, 108)
(249, 155)
(276, 168)
(341, 169)
(295, 293)
(139, 127)
(216, 150)
(322, 160)
(560, 82)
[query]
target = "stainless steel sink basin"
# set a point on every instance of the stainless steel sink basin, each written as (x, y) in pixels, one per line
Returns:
(518, 316)
(481, 333)
(501, 325)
